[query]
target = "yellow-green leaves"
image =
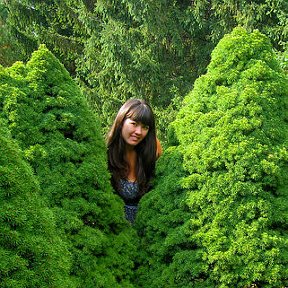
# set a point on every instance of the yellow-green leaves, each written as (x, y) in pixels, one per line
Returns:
(232, 176)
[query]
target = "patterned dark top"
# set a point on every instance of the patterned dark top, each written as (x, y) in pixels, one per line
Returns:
(129, 192)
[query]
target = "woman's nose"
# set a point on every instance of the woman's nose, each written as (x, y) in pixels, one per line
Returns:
(138, 129)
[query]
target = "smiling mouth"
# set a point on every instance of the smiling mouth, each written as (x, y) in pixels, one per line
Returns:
(134, 138)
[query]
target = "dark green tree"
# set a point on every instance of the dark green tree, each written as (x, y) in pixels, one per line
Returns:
(117, 50)
(137, 38)
(148, 49)
(233, 134)
(60, 137)
(269, 17)
(9, 51)
(32, 254)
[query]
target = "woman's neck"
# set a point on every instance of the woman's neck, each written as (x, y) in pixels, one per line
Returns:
(129, 147)
(131, 158)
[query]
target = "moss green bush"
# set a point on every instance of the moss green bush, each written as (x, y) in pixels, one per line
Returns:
(233, 134)
(31, 252)
(61, 139)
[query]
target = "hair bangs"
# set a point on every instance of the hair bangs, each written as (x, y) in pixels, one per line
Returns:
(142, 113)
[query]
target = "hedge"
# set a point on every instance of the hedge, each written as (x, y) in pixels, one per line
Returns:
(31, 252)
(233, 135)
(60, 137)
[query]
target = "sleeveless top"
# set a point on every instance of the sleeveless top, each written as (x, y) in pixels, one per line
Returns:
(129, 192)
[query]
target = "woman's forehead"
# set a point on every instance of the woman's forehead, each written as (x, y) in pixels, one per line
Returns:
(133, 120)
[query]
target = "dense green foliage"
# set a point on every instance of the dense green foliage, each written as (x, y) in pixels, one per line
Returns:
(233, 134)
(236, 153)
(61, 139)
(31, 251)
(217, 216)
(148, 49)
(162, 227)
(10, 49)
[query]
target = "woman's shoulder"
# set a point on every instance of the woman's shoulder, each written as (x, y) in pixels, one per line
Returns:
(159, 149)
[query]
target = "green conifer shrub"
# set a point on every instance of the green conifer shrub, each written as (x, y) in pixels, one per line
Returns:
(31, 252)
(162, 225)
(233, 134)
(61, 139)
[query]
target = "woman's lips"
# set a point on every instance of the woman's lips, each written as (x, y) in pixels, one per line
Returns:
(134, 138)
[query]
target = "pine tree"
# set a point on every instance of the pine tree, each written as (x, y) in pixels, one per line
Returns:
(10, 50)
(232, 132)
(31, 252)
(61, 139)
(148, 49)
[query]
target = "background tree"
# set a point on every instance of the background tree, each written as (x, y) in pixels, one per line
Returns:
(31, 252)
(117, 56)
(10, 48)
(149, 49)
(60, 137)
(232, 132)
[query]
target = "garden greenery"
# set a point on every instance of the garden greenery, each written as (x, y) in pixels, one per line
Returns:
(32, 254)
(218, 211)
(232, 194)
(61, 139)
(134, 48)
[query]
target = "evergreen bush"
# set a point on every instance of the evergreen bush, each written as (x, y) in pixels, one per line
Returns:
(61, 139)
(233, 134)
(31, 252)
(162, 225)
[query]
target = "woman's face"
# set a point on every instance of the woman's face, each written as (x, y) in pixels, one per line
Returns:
(133, 132)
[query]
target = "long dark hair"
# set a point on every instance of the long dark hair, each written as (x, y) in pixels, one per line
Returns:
(140, 111)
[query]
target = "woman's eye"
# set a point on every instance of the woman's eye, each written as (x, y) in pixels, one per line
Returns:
(146, 127)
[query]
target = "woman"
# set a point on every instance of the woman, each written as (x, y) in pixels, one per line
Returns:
(132, 152)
